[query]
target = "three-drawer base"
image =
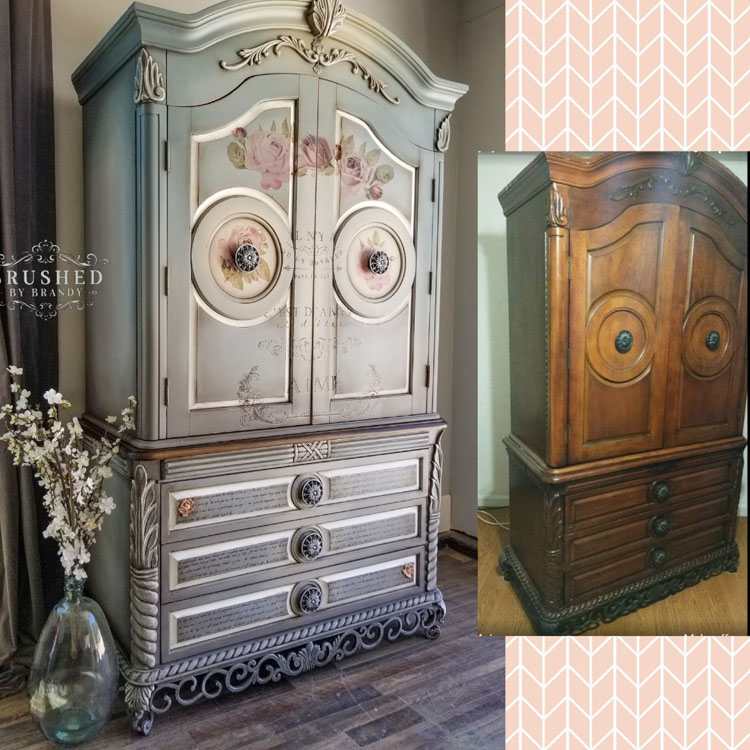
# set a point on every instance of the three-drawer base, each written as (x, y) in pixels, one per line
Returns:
(270, 558)
(592, 542)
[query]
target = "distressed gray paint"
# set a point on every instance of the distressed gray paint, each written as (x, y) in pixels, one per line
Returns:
(148, 331)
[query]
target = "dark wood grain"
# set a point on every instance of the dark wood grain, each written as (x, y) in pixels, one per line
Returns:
(445, 694)
(644, 356)
(717, 606)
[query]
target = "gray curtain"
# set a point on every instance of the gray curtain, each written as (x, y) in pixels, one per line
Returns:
(29, 573)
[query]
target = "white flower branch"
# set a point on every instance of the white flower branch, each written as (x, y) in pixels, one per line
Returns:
(72, 477)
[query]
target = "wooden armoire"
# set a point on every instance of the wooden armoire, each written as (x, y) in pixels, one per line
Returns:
(265, 181)
(627, 279)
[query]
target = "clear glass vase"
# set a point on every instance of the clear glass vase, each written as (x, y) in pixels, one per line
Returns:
(74, 675)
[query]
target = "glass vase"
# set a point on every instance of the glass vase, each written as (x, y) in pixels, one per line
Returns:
(74, 675)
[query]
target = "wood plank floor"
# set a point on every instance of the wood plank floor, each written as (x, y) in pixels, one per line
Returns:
(717, 606)
(414, 694)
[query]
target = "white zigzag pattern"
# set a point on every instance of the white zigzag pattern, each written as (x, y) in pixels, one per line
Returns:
(552, 126)
(534, 722)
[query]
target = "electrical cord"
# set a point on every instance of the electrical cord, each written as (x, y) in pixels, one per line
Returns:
(486, 517)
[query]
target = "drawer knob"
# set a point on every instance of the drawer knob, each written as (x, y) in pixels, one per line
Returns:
(660, 492)
(379, 262)
(186, 507)
(247, 257)
(307, 598)
(307, 544)
(657, 557)
(310, 491)
(713, 339)
(623, 341)
(659, 526)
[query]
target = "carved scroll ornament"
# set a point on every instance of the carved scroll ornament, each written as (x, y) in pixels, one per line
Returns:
(325, 18)
(149, 82)
(444, 135)
(556, 215)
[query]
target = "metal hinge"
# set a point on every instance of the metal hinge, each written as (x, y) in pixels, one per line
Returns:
(429, 283)
(434, 189)
(334, 382)
(167, 155)
(166, 391)
(166, 280)
(428, 378)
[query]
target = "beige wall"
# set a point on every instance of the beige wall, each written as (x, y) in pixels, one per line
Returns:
(481, 126)
(495, 172)
(429, 27)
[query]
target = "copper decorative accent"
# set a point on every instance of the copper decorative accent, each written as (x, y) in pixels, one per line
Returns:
(186, 507)
(408, 570)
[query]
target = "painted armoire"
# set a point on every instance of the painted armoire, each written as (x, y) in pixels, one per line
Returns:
(265, 180)
(628, 346)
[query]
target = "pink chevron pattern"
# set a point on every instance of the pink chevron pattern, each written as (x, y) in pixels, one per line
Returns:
(634, 693)
(656, 75)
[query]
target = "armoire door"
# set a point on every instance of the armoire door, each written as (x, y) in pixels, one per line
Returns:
(372, 262)
(709, 333)
(240, 238)
(620, 309)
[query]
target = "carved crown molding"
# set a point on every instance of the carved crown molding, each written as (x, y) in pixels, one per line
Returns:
(325, 18)
(443, 141)
(659, 180)
(149, 82)
(688, 161)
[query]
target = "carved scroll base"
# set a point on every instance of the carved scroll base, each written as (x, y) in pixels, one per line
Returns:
(152, 692)
(578, 618)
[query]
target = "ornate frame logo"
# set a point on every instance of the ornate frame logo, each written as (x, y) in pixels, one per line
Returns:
(48, 286)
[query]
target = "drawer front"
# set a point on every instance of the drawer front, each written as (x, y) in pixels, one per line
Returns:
(289, 602)
(665, 490)
(203, 508)
(659, 524)
(635, 566)
(219, 562)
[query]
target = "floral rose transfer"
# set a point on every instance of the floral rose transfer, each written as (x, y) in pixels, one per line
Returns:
(264, 151)
(240, 235)
(360, 170)
(315, 154)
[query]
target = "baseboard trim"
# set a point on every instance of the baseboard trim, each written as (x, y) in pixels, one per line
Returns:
(457, 540)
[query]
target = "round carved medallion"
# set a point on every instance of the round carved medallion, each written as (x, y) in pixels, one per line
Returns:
(374, 263)
(708, 336)
(620, 336)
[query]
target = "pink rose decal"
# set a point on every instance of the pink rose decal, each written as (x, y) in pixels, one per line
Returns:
(268, 153)
(264, 151)
(360, 169)
(315, 154)
(355, 173)
(375, 191)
